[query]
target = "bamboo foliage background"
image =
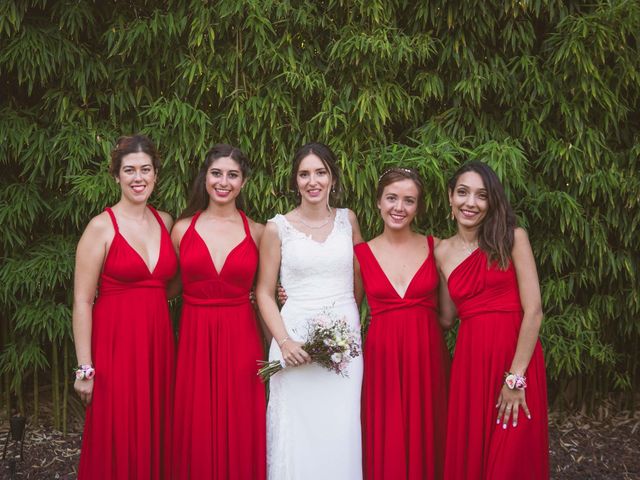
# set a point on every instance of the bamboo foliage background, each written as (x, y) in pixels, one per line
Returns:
(546, 91)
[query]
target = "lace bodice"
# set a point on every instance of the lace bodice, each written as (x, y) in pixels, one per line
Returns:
(314, 272)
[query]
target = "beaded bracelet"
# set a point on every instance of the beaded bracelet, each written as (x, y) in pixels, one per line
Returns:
(84, 372)
(514, 381)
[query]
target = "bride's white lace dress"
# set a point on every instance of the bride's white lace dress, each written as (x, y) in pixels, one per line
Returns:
(313, 416)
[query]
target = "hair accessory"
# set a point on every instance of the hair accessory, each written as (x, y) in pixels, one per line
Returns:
(84, 372)
(515, 381)
(396, 169)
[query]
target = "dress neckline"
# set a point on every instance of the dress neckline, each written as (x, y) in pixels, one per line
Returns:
(457, 267)
(128, 244)
(247, 236)
(310, 237)
(413, 277)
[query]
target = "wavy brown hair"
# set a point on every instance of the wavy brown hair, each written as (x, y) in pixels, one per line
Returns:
(198, 197)
(495, 235)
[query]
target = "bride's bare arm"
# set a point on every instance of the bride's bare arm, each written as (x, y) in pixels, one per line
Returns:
(270, 258)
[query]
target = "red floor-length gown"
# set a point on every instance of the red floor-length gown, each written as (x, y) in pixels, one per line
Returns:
(220, 404)
(127, 426)
(490, 312)
(404, 391)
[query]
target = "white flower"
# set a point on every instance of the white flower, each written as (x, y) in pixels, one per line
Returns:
(336, 357)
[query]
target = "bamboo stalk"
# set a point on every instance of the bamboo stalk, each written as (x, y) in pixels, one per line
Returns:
(55, 380)
(6, 381)
(36, 397)
(65, 388)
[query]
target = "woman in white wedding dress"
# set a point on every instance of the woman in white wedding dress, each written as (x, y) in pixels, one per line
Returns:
(313, 415)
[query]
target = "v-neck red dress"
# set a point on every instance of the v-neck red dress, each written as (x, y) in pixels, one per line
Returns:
(126, 433)
(488, 303)
(404, 391)
(220, 405)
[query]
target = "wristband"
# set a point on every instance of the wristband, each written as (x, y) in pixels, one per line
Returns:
(514, 381)
(284, 340)
(84, 372)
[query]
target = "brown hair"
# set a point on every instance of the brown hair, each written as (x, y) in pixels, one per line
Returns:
(133, 144)
(397, 174)
(198, 197)
(328, 158)
(495, 235)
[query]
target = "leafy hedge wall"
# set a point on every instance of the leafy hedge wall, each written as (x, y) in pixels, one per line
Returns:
(547, 92)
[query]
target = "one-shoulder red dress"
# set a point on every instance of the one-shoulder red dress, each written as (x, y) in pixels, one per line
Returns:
(404, 391)
(490, 312)
(220, 403)
(126, 432)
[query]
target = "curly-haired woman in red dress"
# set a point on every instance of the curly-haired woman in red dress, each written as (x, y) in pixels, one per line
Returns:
(124, 340)
(497, 418)
(220, 405)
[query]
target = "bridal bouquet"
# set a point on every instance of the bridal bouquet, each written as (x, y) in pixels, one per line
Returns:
(331, 343)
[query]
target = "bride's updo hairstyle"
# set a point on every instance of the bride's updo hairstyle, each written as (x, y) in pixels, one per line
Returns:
(397, 174)
(495, 234)
(199, 197)
(324, 153)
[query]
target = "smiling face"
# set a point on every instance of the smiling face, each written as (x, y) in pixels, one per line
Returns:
(398, 204)
(313, 180)
(137, 177)
(469, 200)
(224, 180)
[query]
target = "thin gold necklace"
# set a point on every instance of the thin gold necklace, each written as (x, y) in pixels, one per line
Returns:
(468, 247)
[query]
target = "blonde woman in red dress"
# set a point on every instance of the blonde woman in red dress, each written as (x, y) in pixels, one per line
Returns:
(497, 427)
(124, 340)
(220, 406)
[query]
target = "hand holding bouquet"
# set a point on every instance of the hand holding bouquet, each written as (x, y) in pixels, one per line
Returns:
(330, 342)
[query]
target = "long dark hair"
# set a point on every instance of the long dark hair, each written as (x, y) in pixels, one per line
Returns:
(495, 235)
(198, 197)
(328, 158)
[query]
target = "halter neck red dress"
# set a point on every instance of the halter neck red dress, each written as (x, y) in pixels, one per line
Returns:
(220, 403)
(404, 391)
(490, 312)
(126, 432)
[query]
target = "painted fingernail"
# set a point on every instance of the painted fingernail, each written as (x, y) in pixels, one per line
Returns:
(504, 426)
(515, 424)
(498, 422)
(529, 417)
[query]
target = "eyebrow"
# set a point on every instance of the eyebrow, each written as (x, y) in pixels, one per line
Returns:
(466, 186)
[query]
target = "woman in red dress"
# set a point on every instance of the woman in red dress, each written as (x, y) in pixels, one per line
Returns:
(220, 405)
(124, 341)
(404, 392)
(497, 426)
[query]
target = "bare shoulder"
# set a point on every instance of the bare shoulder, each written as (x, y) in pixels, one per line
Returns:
(351, 216)
(257, 229)
(441, 247)
(520, 235)
(167, 219)
(180, 227)
(99, 227)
